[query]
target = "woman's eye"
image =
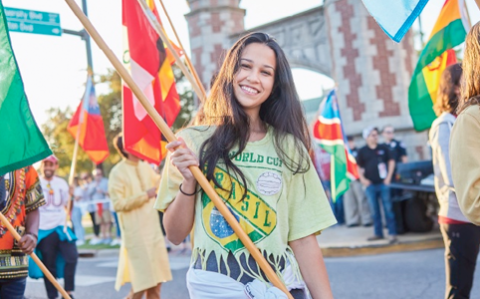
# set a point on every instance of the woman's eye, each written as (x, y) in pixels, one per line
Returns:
(266, 73)
(244, 65)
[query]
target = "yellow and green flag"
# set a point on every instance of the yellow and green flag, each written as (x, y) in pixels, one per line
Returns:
(449, 31)
(21, 142)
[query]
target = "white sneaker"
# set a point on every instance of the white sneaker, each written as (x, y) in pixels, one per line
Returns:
(80, 242)
(95, 241)
(116, 242)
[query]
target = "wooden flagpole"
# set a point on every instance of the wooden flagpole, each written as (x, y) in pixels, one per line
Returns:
(161, 32)
(74, 160)
(70, 180)
(187, 59)
(35, 258)
(197, 173)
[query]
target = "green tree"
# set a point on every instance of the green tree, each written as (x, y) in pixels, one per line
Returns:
(62, 143)
(186, 100)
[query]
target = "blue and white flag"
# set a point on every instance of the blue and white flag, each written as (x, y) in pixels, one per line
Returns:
(395, 17)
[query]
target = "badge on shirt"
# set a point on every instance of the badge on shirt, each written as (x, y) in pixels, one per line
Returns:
(269, 183)
(382, 170)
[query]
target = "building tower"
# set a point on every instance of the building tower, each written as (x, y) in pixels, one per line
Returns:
(211, 22)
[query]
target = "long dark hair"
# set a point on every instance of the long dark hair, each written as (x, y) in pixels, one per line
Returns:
(282, 111)
(447, 98)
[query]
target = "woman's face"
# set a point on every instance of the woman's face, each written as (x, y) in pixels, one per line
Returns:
(254, 80)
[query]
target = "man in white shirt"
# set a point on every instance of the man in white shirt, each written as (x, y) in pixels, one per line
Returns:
(53, 238)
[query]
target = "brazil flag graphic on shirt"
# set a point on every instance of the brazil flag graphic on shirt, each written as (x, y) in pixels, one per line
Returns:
(256, 217)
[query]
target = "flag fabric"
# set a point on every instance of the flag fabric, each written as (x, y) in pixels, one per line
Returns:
(449, 31)
(21, 142)
(329, 134)
(395, 17)
(150, 66)
(87, 124)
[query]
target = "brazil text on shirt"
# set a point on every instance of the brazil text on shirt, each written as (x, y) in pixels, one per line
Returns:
(254, 214)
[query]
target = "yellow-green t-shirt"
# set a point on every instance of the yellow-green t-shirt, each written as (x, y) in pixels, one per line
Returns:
(279, 206)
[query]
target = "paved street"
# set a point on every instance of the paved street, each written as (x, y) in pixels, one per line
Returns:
(399, 275)
(96, 279)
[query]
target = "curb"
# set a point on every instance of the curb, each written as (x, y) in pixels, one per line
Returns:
(89, 253)
(434, 243)
(340, 251)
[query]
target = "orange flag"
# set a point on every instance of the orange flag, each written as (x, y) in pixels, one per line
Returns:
(150, 66)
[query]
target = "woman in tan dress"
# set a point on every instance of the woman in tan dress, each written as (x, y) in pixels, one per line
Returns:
(143, 255)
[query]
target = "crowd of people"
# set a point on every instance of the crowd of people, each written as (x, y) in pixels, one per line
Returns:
(91, 197)
(252, 143)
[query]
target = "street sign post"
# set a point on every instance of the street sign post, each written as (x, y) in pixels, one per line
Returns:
(31, 21)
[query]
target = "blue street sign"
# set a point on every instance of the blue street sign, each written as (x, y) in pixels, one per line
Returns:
(31, 21)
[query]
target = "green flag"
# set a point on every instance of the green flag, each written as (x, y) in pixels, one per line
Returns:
(21, 142)
(449, 31)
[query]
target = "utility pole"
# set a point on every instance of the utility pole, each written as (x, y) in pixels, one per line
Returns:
(84, 36)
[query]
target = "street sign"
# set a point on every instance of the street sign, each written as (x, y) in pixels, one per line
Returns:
(31, 21)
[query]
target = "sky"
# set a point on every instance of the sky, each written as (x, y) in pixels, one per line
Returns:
(54, 68)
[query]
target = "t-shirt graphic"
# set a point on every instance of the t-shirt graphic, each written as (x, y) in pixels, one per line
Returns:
(279, 207)
(53, 214)
(257, 218)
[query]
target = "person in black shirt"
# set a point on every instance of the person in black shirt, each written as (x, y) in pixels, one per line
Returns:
(397, 147)
(376, 169)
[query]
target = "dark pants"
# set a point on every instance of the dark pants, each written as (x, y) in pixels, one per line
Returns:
(338, 210)
(13, 288)
(398, 207)
(50, 247)
(374, 191)
(96, 227)
(462, 243)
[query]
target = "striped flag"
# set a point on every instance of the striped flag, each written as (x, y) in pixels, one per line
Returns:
(150, 66)
(87, 124)
(395, 17)
(21, 142)
(449, 31)
(329, 134)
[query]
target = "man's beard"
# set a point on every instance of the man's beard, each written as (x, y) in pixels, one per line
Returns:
(48, 174)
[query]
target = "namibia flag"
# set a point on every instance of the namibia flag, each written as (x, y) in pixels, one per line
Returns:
(329, 134)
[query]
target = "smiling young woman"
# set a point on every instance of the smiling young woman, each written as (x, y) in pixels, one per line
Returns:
(252, 144)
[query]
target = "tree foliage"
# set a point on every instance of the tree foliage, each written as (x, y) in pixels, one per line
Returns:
(62, 142)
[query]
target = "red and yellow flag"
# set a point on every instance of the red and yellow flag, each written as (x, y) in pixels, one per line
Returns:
(150, 66)
(87, 124)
